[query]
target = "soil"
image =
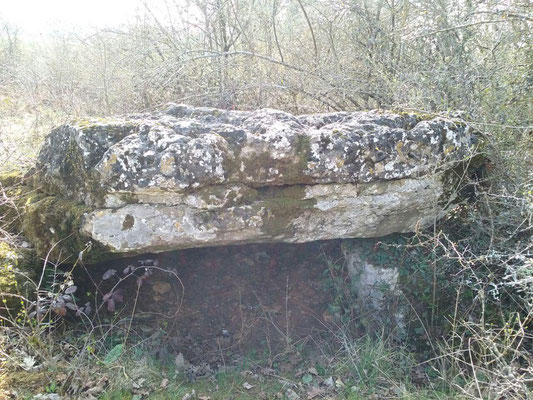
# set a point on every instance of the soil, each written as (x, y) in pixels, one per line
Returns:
(228, 301)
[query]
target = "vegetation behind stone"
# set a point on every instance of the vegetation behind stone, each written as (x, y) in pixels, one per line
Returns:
(467, 281)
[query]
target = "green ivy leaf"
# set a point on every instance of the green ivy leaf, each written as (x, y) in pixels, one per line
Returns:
(114, 354)
(320, 369)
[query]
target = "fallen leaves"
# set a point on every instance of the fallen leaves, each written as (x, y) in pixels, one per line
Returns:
(28, 363)
(315, 392)
(190, 395)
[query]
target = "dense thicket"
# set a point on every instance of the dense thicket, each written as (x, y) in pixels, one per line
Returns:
(297, 55)
(474, 58)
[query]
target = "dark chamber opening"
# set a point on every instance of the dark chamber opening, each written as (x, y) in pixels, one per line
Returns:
(215, 305)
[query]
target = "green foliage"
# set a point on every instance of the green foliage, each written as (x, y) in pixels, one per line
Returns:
(17, 268)
(114, 354)
(51, 387)
(8, 278)
(336, 282)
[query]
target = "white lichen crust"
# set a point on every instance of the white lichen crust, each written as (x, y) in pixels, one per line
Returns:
(191, 177)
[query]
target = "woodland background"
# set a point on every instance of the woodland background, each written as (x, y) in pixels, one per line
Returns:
(471, 59)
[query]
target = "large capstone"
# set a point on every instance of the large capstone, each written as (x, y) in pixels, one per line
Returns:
(194, 177)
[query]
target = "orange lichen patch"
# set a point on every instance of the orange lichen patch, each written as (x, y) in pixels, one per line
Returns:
(167, 166)
(449, 149)
(399, 146)
(108, 164)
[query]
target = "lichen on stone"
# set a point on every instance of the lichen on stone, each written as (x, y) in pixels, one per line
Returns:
(53, 224)
(198, 176)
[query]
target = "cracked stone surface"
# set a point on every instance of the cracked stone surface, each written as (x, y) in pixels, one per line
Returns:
(193, 177)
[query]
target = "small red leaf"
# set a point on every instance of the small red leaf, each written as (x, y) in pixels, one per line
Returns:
(111, 305)
(61, 310)
(108, 274)
(118, 297)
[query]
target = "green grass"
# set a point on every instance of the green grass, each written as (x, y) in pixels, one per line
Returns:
(368, 369)
(220, 386)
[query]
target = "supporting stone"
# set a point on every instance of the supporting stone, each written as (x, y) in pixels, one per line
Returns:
(374, 275)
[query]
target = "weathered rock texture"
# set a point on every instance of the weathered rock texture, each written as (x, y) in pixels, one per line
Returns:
(192, 177)
(373, 267)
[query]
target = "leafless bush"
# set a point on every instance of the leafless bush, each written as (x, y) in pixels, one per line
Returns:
(488, 361)
(298, 56)
(313, 56)
(31, 334)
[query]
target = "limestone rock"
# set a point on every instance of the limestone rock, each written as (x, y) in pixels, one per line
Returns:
(192, 177)
(372, 265)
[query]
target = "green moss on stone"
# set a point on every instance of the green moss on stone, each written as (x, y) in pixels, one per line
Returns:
(12, 186)
(10, 179)
(303, 150)
(128, 198)
(107, 125)
(75, 177)
(53, 225)
(386, 251)
(291, 172)
(283, 205)
(418, 115)
(18, 266)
